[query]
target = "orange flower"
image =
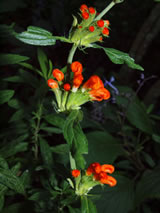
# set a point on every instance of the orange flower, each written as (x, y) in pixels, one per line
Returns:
(85, 15)
(94, 82)
(99, 94)
(100, 23)
(76, 67)
(77, 80)
(67, 87)
(89, 171)
(52, 83)
(107, 168)
(101, 38)
(83, 8)
(75, 173)
(94, 168)
(107, 22)
(105, 31)
(91, 28)
(91, 10)
(109, 180)
(58, 74)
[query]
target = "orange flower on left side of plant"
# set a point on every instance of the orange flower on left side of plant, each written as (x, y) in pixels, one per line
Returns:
(76, 173)
(52, 83)
(58, 74)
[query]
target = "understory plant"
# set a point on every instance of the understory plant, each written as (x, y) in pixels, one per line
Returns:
(53, 156)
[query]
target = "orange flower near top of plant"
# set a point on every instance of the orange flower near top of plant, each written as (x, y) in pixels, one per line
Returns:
(105, 31)
(85, 15)
(76, 173)
(91, 28)
(100, 23)
(52, 83)
(83, 8)
(58, 74)
(76, 67)
(94, 82)
(91, 10)
(99, 94)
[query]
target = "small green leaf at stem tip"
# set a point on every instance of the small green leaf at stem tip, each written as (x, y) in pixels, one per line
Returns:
(118, 1)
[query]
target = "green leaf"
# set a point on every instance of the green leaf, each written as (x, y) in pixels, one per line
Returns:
(118, 198)
(18, 115)
(87, 205)
(6, 59)
(148, 186)
(156, 138)
(138, 117)
(43, 61)
(6, 95)
(7, 178)
(60, 149)
(14, 79)
(29, 66)
(68, 126)
(3, 163)
(46, 154)
(103, 148)
(119, 57)
(55, 120)
(1, 202)
(36, 36)
(51, 129)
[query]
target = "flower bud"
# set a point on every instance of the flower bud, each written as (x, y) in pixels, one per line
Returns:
(76, 67)
(58, 74)
(67, 87)
(52, 83)
(76, 173)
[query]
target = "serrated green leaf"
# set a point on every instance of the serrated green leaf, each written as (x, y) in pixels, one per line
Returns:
(6, 59)
(103, 148)
(119, 57)
(68, 131)
(7, 178)
(6, 95)
(148, 186)
(39, 36)
(87, 205)
(14, 103)
(138, 117)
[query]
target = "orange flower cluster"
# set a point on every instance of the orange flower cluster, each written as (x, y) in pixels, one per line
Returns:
(99, 173)
(92, 90)
(100, 24)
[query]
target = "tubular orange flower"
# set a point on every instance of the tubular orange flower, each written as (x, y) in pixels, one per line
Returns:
(99, 94)
(76, 67)
(107, 168)
(91, 10)
(100, 23)
(105, 31)
(52, 83)
(96, 167)
(77, 80)
(94, 82)
(91, 28)
(67, 87)
(58, 74)
(75, 173)
(111, 181)
(83, 8)
(85, 15)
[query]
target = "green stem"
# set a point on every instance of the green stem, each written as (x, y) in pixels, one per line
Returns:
(71, 54)
(105, 10)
